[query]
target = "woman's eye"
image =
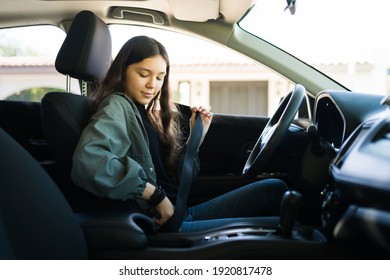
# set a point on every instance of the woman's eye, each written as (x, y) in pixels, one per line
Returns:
(161, 77)
(143, 75)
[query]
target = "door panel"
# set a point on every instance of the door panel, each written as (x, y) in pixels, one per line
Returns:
(225, 147)
(224, 153)
(22, 121)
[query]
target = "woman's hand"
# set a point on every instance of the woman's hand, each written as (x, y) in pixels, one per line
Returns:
(164, 208)
(206, 117)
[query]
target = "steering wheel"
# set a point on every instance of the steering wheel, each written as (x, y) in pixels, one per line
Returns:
(273, 133)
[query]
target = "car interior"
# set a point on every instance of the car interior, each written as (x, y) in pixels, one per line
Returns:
(336, 207)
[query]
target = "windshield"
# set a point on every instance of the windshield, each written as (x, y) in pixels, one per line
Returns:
(347, 40)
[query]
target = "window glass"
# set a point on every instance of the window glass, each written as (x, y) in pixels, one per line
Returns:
(27, 56)
(344, 41)
(207, 74)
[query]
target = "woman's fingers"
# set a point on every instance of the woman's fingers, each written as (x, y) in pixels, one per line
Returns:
(203, 111)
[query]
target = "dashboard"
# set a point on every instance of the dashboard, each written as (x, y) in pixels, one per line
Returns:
(364, 163)
(356, 202)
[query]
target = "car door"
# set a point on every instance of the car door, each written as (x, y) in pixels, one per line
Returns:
(224, 153)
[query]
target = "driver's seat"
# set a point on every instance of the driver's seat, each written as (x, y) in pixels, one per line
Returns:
(84, 55)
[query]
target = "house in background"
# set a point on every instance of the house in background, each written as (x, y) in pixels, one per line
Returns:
(229, 85)
(226, 86)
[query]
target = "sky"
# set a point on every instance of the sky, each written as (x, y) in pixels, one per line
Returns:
(324, 29)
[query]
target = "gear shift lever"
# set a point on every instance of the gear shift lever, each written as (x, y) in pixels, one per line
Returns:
(291, 204)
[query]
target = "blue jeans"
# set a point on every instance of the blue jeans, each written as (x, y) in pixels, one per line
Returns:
(249, 203)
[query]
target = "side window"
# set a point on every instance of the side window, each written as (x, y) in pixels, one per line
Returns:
(206, 74)
(27, 56)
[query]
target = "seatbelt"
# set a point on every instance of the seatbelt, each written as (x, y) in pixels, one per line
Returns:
(174, 223)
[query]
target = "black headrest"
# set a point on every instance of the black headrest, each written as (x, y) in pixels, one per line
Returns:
(86, 53)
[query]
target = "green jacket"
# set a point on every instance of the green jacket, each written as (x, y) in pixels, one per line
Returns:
(117, 166)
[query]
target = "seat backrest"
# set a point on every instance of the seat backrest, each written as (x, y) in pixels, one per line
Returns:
(85, 55)
(64, 116)
(36, 222)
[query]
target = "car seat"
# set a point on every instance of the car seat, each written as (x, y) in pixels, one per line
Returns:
(36, 222)
(85, 55)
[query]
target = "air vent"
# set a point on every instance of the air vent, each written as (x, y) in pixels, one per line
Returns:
(347, 146)
(383, 134)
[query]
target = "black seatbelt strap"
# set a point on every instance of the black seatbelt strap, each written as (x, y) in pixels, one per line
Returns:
(174, 223)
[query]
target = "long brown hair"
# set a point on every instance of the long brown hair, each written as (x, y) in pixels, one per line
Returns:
(162, 112)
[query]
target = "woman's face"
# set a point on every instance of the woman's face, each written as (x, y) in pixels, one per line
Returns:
(145, 79)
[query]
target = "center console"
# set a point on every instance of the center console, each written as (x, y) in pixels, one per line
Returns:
(134, 237)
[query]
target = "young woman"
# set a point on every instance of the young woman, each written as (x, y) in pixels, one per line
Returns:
(133, 145)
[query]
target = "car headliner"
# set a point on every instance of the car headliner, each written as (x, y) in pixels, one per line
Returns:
(27, 12)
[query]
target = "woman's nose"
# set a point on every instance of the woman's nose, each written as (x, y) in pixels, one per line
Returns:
(151, 83)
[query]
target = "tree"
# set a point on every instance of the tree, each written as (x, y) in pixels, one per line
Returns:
(11, 47)
(32, 94)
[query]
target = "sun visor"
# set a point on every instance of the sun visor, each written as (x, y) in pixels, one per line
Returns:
(199, 10)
